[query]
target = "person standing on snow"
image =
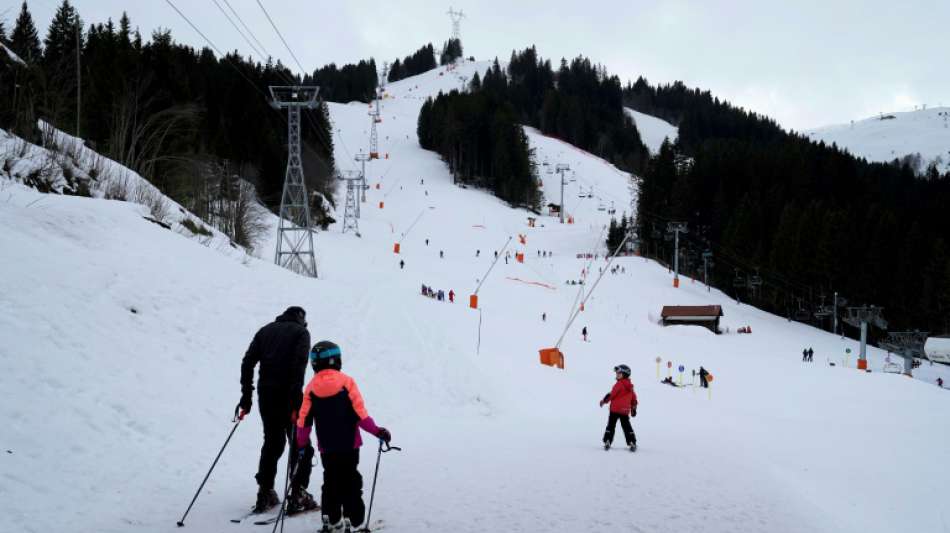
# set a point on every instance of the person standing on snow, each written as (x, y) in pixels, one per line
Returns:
(623, 404)
(281, 348)
(584, 333)
(402, 264)
(333, 406)
(451, 296)
(702, 378)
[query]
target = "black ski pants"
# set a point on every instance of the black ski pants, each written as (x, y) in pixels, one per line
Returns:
(279, 430)
(702, 381)
(624, 424)
(342, 493)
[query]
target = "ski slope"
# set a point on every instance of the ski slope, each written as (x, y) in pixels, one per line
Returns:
(653, 130)
(894, 135)
(123, 340)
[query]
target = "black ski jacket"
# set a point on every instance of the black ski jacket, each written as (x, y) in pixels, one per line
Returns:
(282, 348)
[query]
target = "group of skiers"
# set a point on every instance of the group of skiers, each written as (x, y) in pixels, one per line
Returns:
(808, 355)
(439, 294)
(330, 404)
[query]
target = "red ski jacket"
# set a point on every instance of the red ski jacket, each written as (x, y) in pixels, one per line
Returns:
(622, 397)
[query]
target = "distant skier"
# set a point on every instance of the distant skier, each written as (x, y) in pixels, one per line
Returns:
(805, 355)
(427, 242)
(281, 349)
(451, 296)
(669, 381)
(623, 404)
(478, 253)
(441, 254)
(811, 355)
(544, 317)
(402, 264)
(584, 333)
(940, 382)
(703, 382)
(333, 405)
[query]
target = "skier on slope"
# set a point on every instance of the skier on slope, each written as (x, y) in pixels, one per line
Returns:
(703, 382)
(623, 404)
(281, 349)
(333, 405)
(584, 333)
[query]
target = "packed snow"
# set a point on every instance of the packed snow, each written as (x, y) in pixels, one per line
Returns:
(123, 341)
(653, 130)
(891, 136)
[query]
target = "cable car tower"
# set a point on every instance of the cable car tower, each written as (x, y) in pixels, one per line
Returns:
(376, 115)
(294, 233)
(351, 217)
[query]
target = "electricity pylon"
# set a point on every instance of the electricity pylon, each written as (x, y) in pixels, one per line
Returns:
(456, 17)
(294, 233)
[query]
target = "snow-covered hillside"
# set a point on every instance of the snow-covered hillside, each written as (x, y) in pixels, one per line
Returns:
(122, 344)
(894, 135)
(652, 130)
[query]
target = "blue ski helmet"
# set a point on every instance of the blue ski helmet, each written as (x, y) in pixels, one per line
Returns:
(324, 355)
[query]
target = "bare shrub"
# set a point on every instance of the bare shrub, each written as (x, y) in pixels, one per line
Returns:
(116, 187)
(146, 194)
(249, 217)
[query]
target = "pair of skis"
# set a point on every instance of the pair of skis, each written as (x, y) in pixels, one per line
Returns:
(375, 526)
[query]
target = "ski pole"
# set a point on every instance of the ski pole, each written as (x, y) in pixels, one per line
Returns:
(372, 493)
(237, 420)
(287, 484)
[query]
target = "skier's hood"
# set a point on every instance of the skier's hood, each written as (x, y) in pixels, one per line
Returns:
(293, 314)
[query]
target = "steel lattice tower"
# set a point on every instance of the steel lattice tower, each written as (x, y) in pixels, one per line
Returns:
(351, 206)
(294, 233)
(456, 17)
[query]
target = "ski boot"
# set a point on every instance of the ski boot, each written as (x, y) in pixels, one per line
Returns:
(606, 444)
(633, 447)
(267, 499)
(300, 501)
(340, 527)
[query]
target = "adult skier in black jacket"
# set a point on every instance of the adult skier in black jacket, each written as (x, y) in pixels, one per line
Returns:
(282, 348)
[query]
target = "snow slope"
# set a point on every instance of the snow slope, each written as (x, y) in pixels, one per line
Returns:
(652, 129)
(122, 343)
(895, 135)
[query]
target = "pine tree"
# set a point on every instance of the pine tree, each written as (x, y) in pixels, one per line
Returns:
(60, 42)
(24, 41)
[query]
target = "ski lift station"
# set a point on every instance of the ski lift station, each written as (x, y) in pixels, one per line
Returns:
(937, 349)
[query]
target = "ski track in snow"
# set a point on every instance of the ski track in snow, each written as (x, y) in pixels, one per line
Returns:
(115, 416)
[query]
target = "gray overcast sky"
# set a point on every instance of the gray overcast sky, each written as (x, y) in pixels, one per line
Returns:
(806, 63)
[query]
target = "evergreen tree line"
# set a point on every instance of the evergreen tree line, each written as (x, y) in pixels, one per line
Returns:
(579, 103)
(617, 231)
(479, 136)
(451, 50)
(348, 83)
(803, 218)
(698, 114)
(422, 60)
(162, 108)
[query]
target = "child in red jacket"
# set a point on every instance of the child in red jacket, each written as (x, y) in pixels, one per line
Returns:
(623, 405)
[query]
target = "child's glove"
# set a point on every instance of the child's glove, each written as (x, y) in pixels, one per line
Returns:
(384, 435)
(303, 437)
(633, 412)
